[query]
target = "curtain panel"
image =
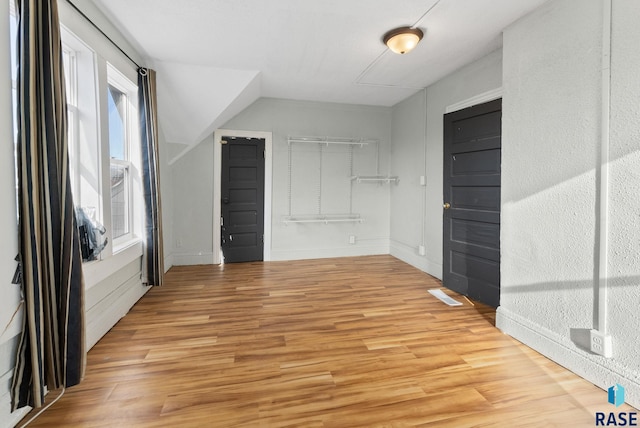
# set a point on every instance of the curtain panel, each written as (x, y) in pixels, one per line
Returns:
(51, 351)
(153, 269)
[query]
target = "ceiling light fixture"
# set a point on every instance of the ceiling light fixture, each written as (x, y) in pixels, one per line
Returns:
(402, 40)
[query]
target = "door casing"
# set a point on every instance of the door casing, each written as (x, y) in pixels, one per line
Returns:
(217, 190)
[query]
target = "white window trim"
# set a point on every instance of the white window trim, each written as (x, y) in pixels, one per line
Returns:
(120, 82)
(81, 71)
(73, 123)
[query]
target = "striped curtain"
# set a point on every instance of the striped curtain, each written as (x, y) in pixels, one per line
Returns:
(153, 270)
(51, 351)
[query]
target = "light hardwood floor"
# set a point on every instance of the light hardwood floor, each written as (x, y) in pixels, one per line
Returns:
(316, 343)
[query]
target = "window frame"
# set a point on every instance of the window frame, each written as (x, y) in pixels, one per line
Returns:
(121, 83)
(81, 69)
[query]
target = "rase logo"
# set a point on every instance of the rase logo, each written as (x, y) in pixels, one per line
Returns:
(615, 396)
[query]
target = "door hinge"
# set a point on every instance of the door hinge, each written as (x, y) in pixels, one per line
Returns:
(223, 141)
(221, 221)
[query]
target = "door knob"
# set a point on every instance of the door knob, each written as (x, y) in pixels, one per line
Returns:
(446, 205)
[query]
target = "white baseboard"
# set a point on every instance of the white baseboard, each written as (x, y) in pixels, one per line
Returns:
(294, 254)
(410, 256)
(186, 259)
(600, 371)
(369, 249)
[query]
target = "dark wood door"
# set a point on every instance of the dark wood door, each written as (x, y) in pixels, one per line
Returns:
(471, 220)
(242, 184)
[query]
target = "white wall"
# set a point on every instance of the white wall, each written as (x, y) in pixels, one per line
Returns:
(550, 187)
(193, 182)
(416, 211)
(193, 206)
(408, 197)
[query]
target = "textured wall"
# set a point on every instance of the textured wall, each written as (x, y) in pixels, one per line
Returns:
(551, 133)
(624, 201)
(550, 193)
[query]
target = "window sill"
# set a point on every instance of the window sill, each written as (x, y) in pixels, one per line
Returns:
(99, 270)
(120, 246)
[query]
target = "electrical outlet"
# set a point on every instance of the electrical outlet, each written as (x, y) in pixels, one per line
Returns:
(352, 239)
(423, 180)
(601, 344)
(421, 250)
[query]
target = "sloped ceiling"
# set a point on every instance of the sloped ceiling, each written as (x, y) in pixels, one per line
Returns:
(215, 57)
(198, 99)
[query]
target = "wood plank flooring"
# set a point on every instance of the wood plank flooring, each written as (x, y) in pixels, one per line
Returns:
(317, 343)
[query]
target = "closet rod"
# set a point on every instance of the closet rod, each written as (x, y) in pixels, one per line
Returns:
(329, 140)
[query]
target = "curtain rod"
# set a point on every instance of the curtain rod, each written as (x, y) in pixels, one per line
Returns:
(102, 32)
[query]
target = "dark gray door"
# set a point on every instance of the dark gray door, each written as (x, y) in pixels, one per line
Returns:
(242, 184)
(471, 220)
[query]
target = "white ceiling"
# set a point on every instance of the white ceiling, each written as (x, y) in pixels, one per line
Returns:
(215, 57)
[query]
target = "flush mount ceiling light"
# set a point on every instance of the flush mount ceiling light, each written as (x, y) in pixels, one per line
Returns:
(402, 40)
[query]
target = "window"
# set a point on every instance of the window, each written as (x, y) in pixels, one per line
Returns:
(120, 166)
(79, 62)
(103, 155)
(121, 98)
